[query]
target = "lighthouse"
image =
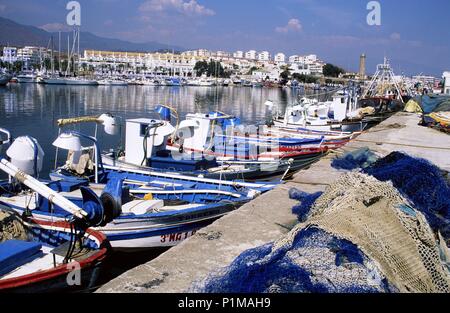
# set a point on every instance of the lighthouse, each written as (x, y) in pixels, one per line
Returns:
(362, 66)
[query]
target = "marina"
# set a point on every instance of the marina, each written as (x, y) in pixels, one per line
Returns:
(129, 165)
(151, 205)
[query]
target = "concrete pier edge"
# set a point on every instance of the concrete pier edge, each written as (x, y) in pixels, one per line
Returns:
(270, 216)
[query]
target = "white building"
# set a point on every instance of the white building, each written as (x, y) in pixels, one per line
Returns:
(168, 63)
(264, 56)
(294, 58)
(280, 58)
(316, 68)
(198, 53)
(238, 55)
(251, 55)
(309, 59)
(222, 54)
(28, 55)
(9, 54)
(425, 80)
(301, 69)
(446, 77)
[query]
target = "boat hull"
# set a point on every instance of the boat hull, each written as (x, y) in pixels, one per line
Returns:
(248, 173)
(56, 279)
(146, 232)
(348, 127)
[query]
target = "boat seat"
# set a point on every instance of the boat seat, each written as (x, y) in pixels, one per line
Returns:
(15, 253)
(140, 207)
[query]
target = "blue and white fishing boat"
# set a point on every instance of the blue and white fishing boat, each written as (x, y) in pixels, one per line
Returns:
(147, 210)
(39, 256)
(146, 149)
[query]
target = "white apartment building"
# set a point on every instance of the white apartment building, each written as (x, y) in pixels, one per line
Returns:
(302, 69)
(426, 80)
(264, 56)
(28, 55)
(446, 77)
(251, 55)
(222, 54)
(32, 55)
(316, 68)
(280, 58)
(238, 55)
(294, 58)
(177, 64)
(9, 54)
(198, 53)
(307, 59)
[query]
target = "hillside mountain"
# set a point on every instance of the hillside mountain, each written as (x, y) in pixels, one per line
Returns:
(15, 34)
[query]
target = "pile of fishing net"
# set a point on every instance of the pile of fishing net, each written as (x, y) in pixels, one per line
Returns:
(361, 235)
(11, 227)
(419, 181)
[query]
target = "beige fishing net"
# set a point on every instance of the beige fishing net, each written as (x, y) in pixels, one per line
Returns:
(11, 227)
(375, 217)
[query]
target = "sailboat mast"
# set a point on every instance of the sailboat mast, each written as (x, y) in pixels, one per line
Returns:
(78, 53)
(59, 52)
(68, 55)
(52, 58)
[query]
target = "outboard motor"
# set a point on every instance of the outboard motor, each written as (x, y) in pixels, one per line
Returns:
(26, 154)
(112, 198)
(103, 210)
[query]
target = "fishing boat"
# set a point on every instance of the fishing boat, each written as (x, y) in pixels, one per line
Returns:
(339, 114)
(204, 134)
(41, 256)
(385, 93)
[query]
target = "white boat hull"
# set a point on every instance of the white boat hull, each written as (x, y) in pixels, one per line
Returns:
(351, 128)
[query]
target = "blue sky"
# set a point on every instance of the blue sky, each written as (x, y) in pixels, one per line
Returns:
(414, 34)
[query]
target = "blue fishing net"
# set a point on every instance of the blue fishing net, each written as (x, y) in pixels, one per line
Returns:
(306, 201)
(360, 158)
(316, 262)
(420, 182)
